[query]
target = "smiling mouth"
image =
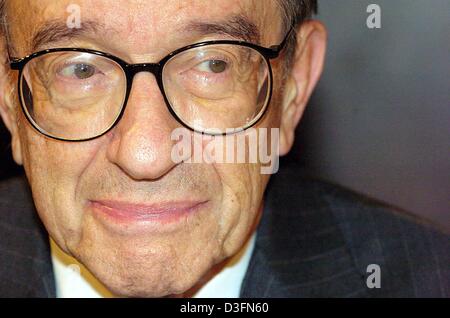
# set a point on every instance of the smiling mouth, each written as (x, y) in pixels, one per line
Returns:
(166, 212)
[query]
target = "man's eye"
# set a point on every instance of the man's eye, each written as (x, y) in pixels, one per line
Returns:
(213, 66)
(79, 71)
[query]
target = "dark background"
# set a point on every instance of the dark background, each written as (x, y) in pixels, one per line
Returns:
(379, 120)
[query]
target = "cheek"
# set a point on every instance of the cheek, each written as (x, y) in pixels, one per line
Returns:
(53, 169)
(243, 187)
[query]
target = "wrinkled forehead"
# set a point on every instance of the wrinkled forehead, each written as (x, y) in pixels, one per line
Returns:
(143, 24)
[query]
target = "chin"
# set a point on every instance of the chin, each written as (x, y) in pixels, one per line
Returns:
(151, 287)
(157, 275)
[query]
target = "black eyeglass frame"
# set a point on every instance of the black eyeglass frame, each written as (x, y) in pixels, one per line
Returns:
(130, 70)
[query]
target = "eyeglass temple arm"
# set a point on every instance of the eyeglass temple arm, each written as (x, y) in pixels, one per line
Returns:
(275, 50)
(15, 63)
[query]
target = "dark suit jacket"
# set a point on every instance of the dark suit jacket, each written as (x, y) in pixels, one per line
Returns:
(315, 240)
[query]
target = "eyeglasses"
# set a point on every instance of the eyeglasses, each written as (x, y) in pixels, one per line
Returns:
(212, 87)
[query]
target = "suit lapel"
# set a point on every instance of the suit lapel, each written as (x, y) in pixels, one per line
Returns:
(300, 250)
(26, 269)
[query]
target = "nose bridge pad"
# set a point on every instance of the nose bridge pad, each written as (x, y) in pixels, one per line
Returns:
(133, 69)
(154, 68)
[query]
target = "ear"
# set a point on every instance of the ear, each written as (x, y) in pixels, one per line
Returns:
(307, 66)
(7, 105)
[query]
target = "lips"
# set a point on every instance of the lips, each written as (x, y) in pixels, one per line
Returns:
(160, 212)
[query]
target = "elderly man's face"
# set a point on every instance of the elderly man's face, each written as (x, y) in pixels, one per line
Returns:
(187, 217)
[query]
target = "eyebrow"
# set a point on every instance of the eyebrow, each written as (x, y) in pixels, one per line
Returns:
(53, 31)
(238, 26)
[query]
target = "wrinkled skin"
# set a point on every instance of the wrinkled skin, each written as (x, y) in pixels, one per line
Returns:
(132, 162)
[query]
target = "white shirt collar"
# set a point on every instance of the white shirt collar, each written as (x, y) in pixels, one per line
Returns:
(73, 280)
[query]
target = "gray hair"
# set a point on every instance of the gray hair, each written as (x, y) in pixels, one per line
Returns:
(295, 12)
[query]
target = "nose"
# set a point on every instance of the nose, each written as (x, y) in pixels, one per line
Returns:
(140, 144)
